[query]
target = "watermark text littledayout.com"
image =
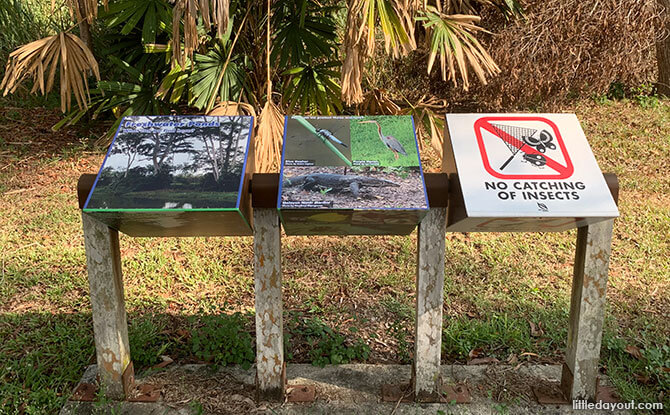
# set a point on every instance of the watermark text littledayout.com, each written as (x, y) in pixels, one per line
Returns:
(616, 406)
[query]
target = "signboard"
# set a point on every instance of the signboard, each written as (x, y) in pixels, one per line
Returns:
(523, 172)
(351, 175)
(175, 176)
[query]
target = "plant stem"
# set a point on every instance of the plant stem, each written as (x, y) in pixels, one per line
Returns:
(328, 144)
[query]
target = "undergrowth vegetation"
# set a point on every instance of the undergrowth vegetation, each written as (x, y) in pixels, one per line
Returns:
(345, 299)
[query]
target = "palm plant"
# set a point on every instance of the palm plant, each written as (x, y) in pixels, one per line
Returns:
(198, 53)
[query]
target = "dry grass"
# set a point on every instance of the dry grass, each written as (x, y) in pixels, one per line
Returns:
(570, 48)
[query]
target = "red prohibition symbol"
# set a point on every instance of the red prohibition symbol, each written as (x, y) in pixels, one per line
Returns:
(555, 170)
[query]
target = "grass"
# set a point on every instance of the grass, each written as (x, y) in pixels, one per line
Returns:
(345, 298)
(366, 145)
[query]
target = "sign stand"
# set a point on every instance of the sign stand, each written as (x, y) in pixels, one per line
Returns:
(110, 327)
(550, 182)
(270, 373)
(579, 379)
(426, 380)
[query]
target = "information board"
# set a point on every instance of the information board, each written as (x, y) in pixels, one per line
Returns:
(351, 175)
(523, 172)
(176, 176)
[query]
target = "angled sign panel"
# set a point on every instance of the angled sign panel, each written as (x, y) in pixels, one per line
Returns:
(175, 176)
(524, 172)
(351, 175)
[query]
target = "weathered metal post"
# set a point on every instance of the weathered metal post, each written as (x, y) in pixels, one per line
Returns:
(270, 374)
(110, 327)
(426, 380)
(587, 310)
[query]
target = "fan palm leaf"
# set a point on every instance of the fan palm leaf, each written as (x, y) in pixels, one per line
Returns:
(451, 37)
(40, 59)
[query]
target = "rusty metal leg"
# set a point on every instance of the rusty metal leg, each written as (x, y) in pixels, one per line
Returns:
(587, 311)
(110, 326)
(426, 380)
(269, 324)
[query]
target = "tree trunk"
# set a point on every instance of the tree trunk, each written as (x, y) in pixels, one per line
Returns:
(663, 49)
(85, 28)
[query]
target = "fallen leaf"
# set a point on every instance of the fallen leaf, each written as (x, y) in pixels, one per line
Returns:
(166, 361)
(483, 361)
(474, 353)
(529, 354)
(643, 379)
(634, 351)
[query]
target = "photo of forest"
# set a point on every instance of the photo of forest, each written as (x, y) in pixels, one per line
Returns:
(173, 162)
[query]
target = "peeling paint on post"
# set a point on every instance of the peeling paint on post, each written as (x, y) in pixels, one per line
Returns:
(269, 322)
(587, 310)
(110, 326)
(429, 299)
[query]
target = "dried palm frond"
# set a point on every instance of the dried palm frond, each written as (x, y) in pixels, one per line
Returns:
(377, 103)
(270, 131)
(452, 38)
(188, 9)
(233, 108)
(507, 7)
(221, 15)
(429, 117)
(354, 61)
(81, 10)
(268, 141)
(39, 59)
(213, 12)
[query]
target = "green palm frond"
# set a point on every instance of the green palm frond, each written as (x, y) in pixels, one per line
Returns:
(211, 76)
(304, 30)
(154, 15)
(389, 16)
(313, 88)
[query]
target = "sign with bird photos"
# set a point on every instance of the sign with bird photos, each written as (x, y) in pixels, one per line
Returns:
(351, 175)
(176, 176)
(523, 172)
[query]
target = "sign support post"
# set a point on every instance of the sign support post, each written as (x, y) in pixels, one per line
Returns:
(110, 327)
(426, 379)
(579, 379)
(270, 375)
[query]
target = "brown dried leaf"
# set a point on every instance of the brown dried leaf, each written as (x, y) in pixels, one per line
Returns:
(268, 139)
(233, 108)
(474, 353)
(634, 351)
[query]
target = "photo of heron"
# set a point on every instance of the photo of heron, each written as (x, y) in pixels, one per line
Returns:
(384, 141)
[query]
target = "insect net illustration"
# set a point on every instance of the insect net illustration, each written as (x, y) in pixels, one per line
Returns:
(520, 137)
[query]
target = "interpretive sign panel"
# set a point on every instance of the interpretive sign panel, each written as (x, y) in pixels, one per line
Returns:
(176, 176)
(351, 175)
(524, 172)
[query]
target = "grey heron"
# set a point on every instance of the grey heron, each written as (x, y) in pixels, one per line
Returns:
(389, 141)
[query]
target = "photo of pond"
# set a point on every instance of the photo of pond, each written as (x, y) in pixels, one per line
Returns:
(173, 163)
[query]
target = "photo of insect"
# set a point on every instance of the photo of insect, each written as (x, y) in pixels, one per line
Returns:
(330, 136)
